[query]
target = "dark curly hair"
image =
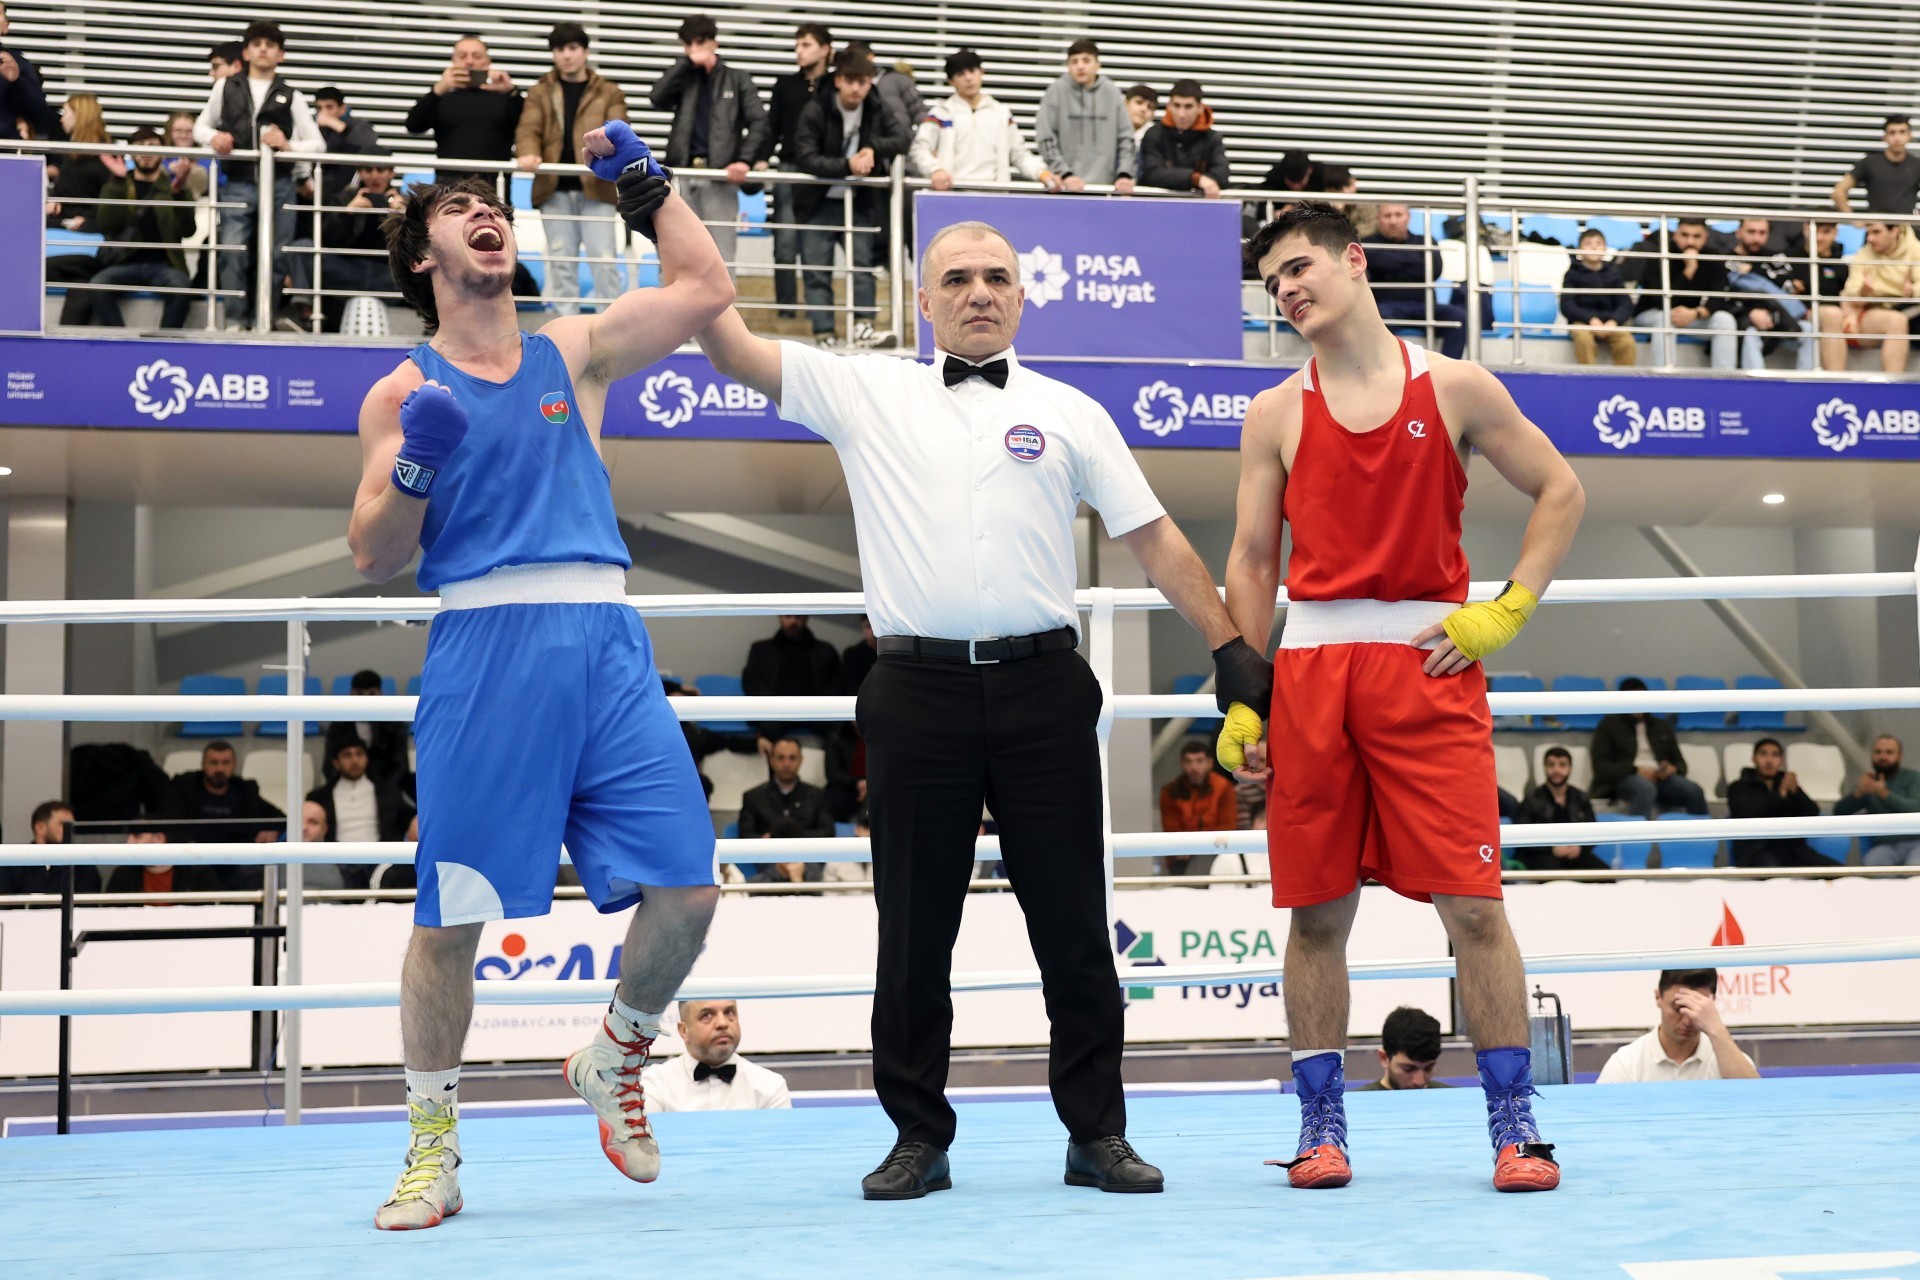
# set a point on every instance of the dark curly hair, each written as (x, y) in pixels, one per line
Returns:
(406, 230)
(1319, 222)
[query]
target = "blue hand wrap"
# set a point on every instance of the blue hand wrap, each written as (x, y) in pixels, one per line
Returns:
(432, 423)
(628, 151)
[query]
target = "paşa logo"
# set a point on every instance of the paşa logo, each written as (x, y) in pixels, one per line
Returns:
(1162, 408)
(1043, 275)
(1621, 423)
(1839, 425)
(162, 390)
(670, 399)
(1113, 280)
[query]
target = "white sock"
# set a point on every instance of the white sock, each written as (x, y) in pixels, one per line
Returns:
(639, 1022)
(1311, 1053)
(437, 1087)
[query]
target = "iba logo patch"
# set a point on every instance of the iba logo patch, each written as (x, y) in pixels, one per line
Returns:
(1026, 443)
(554, 408)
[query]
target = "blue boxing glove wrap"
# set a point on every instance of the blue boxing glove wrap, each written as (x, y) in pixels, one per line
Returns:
(628, 153)
(432, 425)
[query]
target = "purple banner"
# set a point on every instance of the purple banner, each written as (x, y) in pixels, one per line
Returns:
(23, 221)
(1151, 278)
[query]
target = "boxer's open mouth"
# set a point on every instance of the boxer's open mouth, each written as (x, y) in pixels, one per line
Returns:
(486, 239)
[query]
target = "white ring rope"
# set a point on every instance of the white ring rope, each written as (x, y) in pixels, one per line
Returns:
(371, 995)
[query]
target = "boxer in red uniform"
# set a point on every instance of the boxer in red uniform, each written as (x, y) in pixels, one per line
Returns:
(1379, 715)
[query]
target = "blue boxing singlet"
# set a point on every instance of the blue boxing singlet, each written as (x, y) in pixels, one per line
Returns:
(525, 486)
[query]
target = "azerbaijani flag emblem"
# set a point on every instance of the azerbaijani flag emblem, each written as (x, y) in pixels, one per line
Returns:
(553, 407)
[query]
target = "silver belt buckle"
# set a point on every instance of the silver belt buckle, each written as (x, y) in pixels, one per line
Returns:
(977, 661)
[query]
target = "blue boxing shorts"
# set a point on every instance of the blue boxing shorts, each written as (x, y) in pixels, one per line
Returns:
(542, 721)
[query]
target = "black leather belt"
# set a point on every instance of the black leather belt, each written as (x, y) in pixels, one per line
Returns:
(978, 652)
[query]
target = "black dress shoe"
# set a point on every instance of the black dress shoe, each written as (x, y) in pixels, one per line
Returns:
(910, 1170)
(1111, 1164)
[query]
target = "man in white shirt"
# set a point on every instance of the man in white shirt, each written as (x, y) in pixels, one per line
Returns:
(971, 137)
(1691, 1042)
(711, 1075)
(256, 111)
(357, 808)
(965, 475)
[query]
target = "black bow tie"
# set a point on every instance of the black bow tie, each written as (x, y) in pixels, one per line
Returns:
(957, 371)
(701, 1071)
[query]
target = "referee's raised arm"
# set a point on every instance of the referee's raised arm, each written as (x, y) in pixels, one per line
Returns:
(738, 354)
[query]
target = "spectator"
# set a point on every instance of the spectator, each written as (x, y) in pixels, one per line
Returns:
(894, 86)
(1637, 762)
(351, 223)
(1409, 1051)
(472, 111)
(316, 823)
(847, 132)
(563, 106)
(81, 175)
(1767, 790)
(1826, 275)
(1142, 104)
(703, 741)
(711, 1075)
(858, 658)
(1184, 152)
(341, 133)
(1340, 180)
(970, 137)
(161, 215)
(52, 823)
(316, 827)
(718, 123)
(1403, 272)
(23, 100)
(1699, 297)
(190, 174)
(793, 662)
(1556, 800)
(1881, 294)
(783, 807)
(226, 58)
(812, 55)
(385, 740)
(1594, 299)
(357, 808)
(1082, 131)
(212, 793)
(1891, 176)
(257, 110)
(1691, 1042)
(166, 878)
(1294, 171)
(1508, 802)
(1200, 799)
(1887, 787)
(846, 787)
(1772, 314)
(852, 872)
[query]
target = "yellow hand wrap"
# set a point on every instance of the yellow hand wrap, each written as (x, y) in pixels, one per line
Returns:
(1241, 728)
(1479, 629)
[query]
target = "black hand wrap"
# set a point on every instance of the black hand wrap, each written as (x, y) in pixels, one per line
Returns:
(1241, 675)
(640, 196)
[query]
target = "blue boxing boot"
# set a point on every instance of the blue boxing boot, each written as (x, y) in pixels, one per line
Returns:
(1521, 1162)
(1321, 1081)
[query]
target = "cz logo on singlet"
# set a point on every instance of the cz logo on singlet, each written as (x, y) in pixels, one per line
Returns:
(554, 408)
(1417, 428)
(1486, 853)
(1026, 443)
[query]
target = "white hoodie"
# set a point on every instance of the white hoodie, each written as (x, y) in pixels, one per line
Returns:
(974, 144)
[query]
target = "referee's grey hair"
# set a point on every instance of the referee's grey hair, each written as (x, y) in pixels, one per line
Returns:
(966, 228)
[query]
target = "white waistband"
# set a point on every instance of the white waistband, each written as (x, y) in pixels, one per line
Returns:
(576, 583)
(1311, 623)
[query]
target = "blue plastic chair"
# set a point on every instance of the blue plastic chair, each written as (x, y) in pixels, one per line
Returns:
(1621, 233)
(1711, 721)
(1539, 309)
(1191, 684)
(1417, 222)
(1725, 226)
(1626, 854)
(1849, 237)
(1839, 848)
(1513, 683)
(413, 686)
(210, 685)
(1652, 682)
(275, 686)
(1579, 684)
(753, 214)
(1554, 227)
(1687, 853)
(843, 829)
(342, 686)
(715, 685)
(1773, 720)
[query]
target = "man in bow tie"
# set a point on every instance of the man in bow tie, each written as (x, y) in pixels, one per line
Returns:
(711, 1075)
(965, 475)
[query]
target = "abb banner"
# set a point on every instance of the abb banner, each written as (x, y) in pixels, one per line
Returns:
(762, 937)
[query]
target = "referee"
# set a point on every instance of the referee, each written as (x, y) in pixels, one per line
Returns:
(965, 475)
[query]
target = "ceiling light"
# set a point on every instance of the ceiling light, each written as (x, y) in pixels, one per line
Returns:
(1773, 499)
(6, 471)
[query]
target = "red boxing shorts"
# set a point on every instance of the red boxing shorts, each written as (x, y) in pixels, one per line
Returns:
(1379, 770)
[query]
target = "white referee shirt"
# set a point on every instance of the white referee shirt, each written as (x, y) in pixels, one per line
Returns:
(670, 1086)
(964, 496)
(1644, 1060)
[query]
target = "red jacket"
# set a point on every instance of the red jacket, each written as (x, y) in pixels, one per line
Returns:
(1211, 808)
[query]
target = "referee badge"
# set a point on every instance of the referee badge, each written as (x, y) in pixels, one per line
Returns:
(1026, 443)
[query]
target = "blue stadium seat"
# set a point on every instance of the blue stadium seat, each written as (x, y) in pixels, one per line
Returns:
(1839, 848)
(1579, 684)
(1417, 221)
(1513, 683)
(1776, 721)
(210, 685)
(1652, 682)
(342, 686)
(1565, 230)
(754, 211)
(1191, 684)
(1710, 721)
(413, 686)
(275, 686)
(1539, 309)
(842, 829)
(62, 241)
(1849, 236)
(715, 685)
(1621, 233)
(1687, 853)
(1725, 226)
(1628, 855)
(520, 190)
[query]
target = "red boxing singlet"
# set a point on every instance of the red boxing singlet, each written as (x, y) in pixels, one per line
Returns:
(1376, 514)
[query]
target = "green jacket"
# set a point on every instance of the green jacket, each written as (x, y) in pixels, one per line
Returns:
(1903, 796)
(172, 212)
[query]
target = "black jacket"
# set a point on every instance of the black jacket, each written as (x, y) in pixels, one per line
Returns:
(805, 666)
(238, 118)
(241, 803)
(1614, 743)
(1582, 307)
(855, 662)
(822, 140)
(1751, 796)
(736, 122)
(467, 124)
(1539, 807)
(1169, 157)
(25, 98)
(387, 753)
(391, 810)
(82, 179)
(358, 138)
(1399, 270)
(764, 811)
(789, 98)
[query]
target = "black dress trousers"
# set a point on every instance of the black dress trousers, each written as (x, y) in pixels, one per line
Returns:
(942, 738)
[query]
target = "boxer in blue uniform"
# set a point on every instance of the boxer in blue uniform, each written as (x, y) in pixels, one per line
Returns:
(541, 718)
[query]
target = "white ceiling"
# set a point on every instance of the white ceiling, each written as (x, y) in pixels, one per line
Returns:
(263, 470)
